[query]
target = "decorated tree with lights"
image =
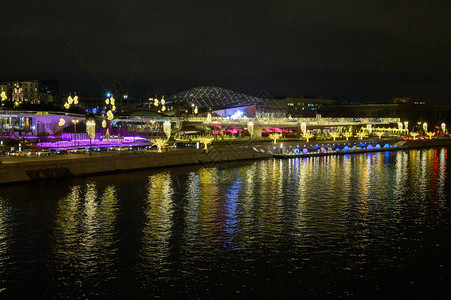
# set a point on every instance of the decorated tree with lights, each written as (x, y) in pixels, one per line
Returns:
(206, 140)
(308, 135)
(348, 134)
(160, 142)
(414, 134)
(334, 135)
(430, 134)
(379, 134)
(275, 136)
(362, 134)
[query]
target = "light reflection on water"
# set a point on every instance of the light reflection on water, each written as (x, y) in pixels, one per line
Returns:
(320, 225)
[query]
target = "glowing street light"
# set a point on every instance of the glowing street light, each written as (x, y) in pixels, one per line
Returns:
(75, 122)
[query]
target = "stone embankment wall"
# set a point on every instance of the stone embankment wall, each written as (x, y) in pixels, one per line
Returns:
(119, 162)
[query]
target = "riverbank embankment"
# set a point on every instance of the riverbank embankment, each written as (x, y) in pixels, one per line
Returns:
(45, 168)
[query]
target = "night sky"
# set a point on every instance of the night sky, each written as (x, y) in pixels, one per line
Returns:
(351, 50)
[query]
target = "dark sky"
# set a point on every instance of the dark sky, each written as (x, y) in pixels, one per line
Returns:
(356, 50)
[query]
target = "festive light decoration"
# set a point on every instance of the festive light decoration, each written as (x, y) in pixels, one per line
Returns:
(206, 140)
(425, 127)
(348, 134)
(275, 136)
(379, 134)
(110, 115)
(334, 135)
(414, 134)
(361, 134)
(160, 142)
(91, 128)
(303, 128)
(250, 129)
(208, 119)
(103, 124)
(70, 101)
(308, 136)
(3, 96)
(369, 128)
(167, 129)
(62, 122)
(430, 134)
(443, 126)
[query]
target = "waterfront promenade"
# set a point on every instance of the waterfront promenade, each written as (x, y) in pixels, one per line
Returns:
(27, 169)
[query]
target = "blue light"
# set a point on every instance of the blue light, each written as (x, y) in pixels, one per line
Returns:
(386, 146)
(94, 110)
(108, 95)
(346, 148)
(305, 150)
(296, 151)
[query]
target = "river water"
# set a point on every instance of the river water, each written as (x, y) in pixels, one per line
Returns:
(367, 225)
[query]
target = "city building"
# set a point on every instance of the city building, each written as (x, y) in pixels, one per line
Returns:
(21, 90)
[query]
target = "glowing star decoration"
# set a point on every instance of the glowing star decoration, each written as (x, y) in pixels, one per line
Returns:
(103, 124)
(113, 108)
(109, 115)
(61, 122)
(107, 101)
(66, 105)
(70, 100)
(162, 102)
(112, 101)
(163, 108)
(76, 100)
(155, 102)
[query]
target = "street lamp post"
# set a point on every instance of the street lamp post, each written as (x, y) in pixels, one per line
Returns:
(75, 122)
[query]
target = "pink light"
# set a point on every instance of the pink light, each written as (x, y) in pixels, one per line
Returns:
(278, 130)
